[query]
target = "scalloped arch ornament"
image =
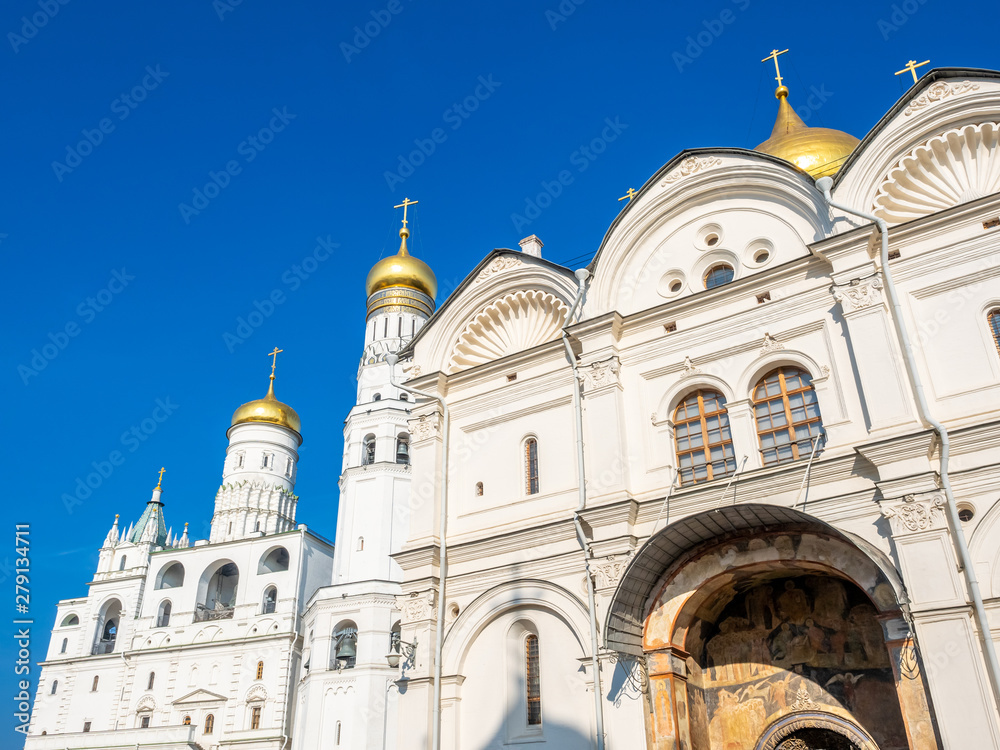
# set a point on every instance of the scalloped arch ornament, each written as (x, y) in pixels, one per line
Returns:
(955, 167)
(512, 323)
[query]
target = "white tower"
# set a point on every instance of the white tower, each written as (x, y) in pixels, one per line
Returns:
(349, 628)
(258, 479)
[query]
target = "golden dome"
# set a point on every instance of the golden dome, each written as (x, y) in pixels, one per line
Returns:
(402, 270)
(269, 410)
(819, 151)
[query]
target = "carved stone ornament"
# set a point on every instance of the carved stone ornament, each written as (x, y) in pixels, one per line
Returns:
(515, 322)
(770, 344)
(803, 701)
(954, 167)
(411, 371)
(146, 703)
(690, 166)
(498, 264)
(653, 417)
(425, 427)
(937, 92)
(256, 693)
(913, 514)
(609, 571)
(599, 374)
(416, 606)
(859, 295)
(689, 369)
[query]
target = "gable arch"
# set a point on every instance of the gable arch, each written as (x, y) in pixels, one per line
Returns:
(509, 597)
(676, 393)
(771, 361)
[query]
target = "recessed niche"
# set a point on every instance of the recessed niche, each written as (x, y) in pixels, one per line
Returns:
(709, 236)
(758, 253)
(671, 283)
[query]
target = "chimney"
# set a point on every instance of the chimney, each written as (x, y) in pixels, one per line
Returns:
(531, 245)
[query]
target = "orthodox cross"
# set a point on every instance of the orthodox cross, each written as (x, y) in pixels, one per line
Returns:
(160, 480)
(274, 358)
(774, 56)
(912, 66)
(404, 205)
(630, 194)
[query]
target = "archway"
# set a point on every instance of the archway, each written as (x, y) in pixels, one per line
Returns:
(753, 617)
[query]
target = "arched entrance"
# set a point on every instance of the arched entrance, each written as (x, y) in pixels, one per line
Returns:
(763, 627)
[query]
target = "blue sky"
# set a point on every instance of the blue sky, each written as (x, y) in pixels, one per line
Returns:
(170, 166)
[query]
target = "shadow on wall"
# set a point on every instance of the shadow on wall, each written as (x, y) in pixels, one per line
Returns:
(554, 736)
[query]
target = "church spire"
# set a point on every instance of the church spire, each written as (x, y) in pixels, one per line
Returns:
(151, 528)
(112, 538)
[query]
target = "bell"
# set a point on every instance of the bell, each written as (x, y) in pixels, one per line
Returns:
(348, 647)
(402, 453)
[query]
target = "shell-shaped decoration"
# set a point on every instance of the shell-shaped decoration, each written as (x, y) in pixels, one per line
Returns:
(513, 323)
(952, 168)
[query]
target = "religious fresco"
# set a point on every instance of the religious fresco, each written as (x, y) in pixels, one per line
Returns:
(803, 643)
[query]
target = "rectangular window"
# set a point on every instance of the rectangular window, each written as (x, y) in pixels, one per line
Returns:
(86, 726)
(532, 681)
(144, 722)
(288, 467)
(255, 717)
(239, 460)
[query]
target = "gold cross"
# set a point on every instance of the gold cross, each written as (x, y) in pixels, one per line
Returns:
(160, 480)
(912, 66)
(274, 358)
(630, 194)
(774, 56)
(406, 202)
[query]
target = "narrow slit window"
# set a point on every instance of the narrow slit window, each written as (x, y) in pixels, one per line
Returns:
(994, 321)
(531, 466)
(532, 682)
(260, 670)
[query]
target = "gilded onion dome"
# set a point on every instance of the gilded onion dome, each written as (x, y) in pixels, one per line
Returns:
(269, 410)
(402, 270)
(819, 151)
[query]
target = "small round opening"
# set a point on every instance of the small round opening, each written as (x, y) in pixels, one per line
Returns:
(966, 514)
(718, 275)
(761, 256)
(712, 240)
(675, 286)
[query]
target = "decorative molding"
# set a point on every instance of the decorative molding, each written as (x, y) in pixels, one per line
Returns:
(954, 167)
(256, 693)
(937, 92)
(416, 606)
(600, 374)
(803, 701)
(914, 513)
(424, 427)
(515, 322)
(499, 264)
(690, 166)
(770, 344)
(689, 369)
(859, 294)
(146, 703)
(609, 571)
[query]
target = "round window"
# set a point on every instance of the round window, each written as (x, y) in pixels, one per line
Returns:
(718, 275)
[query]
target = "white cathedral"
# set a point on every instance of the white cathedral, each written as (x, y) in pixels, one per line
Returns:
(734, 486)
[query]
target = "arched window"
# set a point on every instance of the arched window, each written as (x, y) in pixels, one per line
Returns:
(255, 717)
(121, 565)
(403, 448)
(209, 723)
(65, 643)
(336, 740)
(107, 627)
(361, 544)
(377, 397)
(217, 591)
(187, 721)
(704, 443)
(719, 274)
(55, 686)
(163, 619)
(93, 685)
(531, 466)
(345, 645)
(274, 561)
(532, 682)
(260, 670)
(788, 418)
(70, 620)
(993, 318)
(479, 489)
(368, 451)
(403, 397)
(170, 577)
(151, 680)
(270, 600)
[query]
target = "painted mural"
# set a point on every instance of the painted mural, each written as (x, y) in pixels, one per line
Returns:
(789, 644)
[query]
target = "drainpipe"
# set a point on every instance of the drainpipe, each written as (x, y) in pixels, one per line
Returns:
(582, 275)
(825, 184)
(391, 360)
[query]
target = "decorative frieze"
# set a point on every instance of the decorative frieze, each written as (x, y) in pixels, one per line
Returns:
(416, 606)
(914, 513)
(609, 570)
(690, 166)
(859, 294)
(937, 92)
(424, 427)
(499, 264)
(599, 374)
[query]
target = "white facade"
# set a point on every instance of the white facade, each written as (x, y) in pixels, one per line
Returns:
(770, 604)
